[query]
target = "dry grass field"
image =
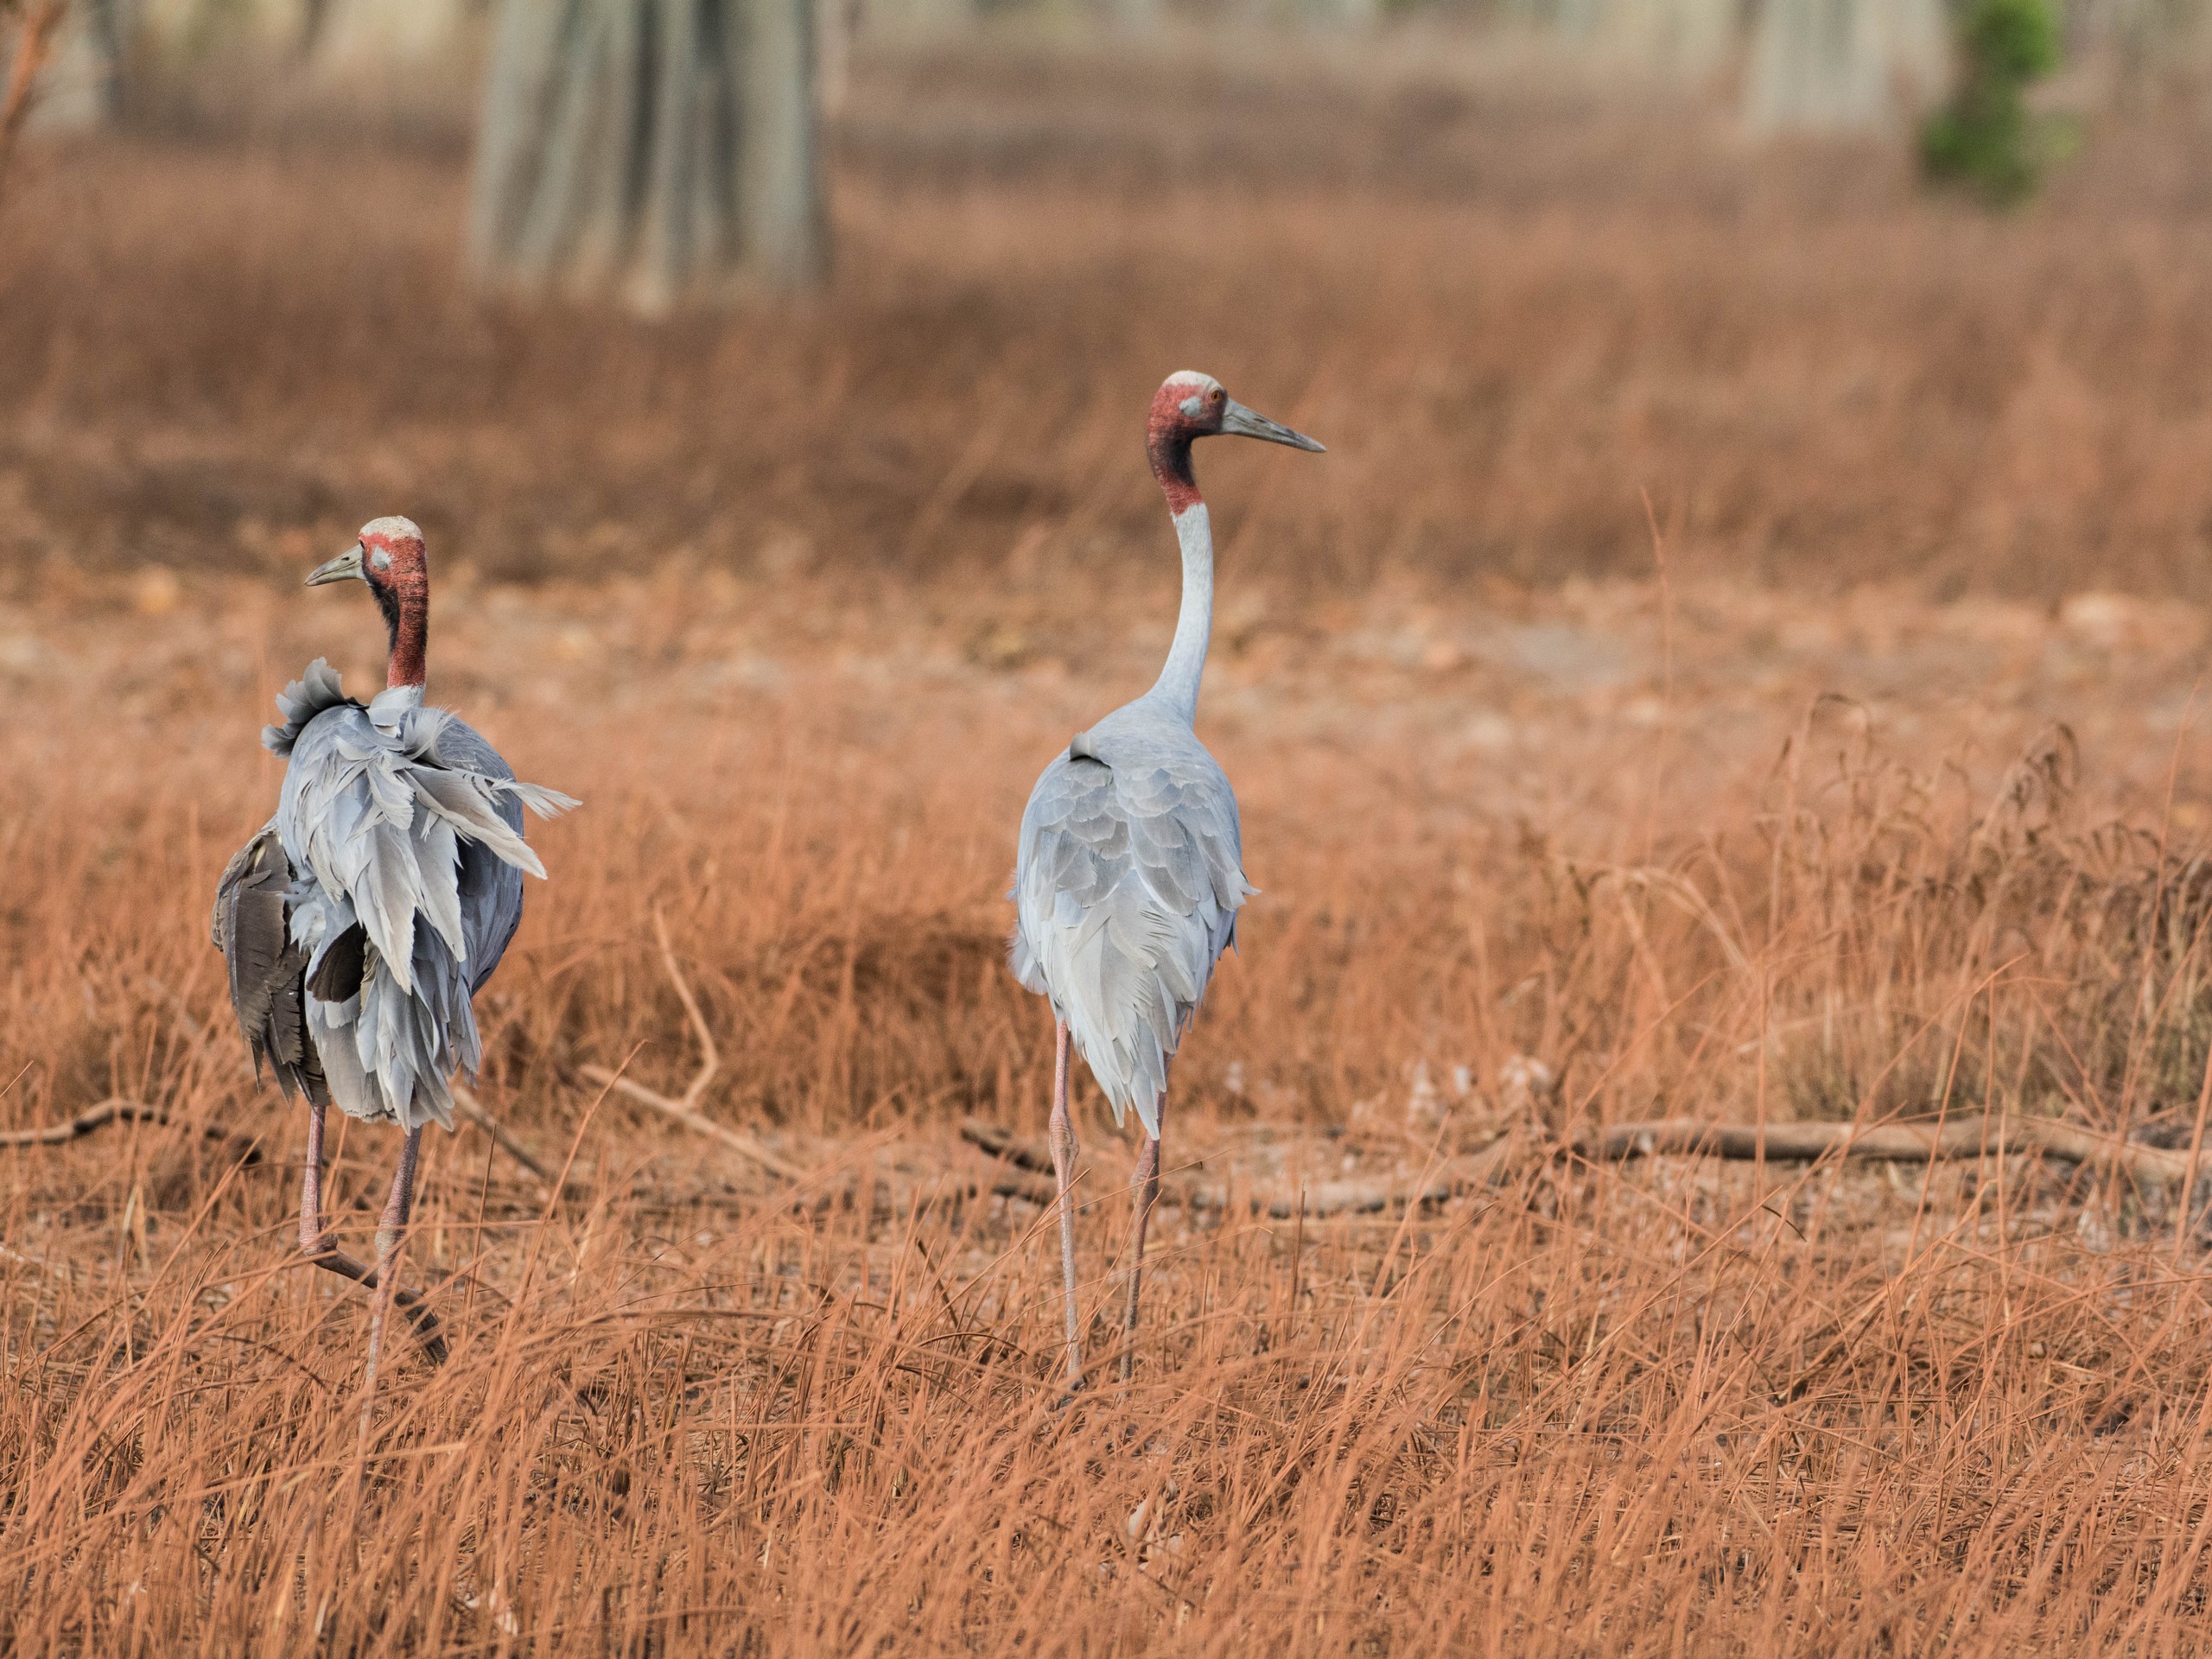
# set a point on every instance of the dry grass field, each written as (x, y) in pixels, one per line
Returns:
(1864, 782)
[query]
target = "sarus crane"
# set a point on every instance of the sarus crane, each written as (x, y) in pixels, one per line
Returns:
(359, 921)
(1130, 872)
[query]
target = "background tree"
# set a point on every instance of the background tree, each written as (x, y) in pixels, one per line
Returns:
(651, 149)
(37, 25)
(1985, 136)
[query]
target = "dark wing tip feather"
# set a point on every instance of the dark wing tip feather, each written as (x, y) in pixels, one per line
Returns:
(338, 972)
(250, 927)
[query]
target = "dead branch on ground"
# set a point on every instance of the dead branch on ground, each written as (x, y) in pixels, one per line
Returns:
(118, 1110)
(1898, 1144)
(1452, 1179)
(1002, 1143)
(1446, 1181)
(1781, 1143)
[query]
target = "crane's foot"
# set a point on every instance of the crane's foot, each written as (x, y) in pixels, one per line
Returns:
(411, 1307)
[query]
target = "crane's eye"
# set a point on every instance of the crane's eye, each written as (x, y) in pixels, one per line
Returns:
(1218, 395)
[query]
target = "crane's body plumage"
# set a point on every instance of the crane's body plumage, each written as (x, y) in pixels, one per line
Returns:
(401, 830)
(1127, 879)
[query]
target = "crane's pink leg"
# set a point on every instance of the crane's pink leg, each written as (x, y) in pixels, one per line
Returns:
(391, 1233)
(1063, 1151)
(315, 1243)
(311, 1238)
(1147, 1183)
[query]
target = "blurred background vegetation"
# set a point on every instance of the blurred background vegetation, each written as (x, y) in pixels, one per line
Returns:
(778, 285)
(416, 66)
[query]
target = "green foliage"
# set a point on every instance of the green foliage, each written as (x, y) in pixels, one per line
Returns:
(2016, 39)
(1986, 138)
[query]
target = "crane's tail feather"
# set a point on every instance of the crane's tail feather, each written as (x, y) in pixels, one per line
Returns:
(545, 802)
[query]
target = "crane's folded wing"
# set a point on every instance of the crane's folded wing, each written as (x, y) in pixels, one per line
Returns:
(1126, 885)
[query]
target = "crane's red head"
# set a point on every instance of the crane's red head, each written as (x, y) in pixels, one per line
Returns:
(1189, 406)
(390, 557)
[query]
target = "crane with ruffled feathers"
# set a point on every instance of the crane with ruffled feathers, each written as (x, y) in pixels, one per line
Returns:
(359, 922)
(1130, 871)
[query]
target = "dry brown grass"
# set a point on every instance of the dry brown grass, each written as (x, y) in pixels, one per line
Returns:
(713, 578)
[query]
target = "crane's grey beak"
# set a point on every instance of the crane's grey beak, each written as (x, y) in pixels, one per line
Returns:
(1245, 424)
(346, 566)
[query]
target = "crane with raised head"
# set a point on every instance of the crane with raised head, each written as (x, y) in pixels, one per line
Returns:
(359, 922)
(1130, 871)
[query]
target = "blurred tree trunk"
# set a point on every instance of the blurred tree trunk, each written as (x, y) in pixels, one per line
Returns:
(1844, 65)
(1690, 39)
(653, 149)
(314, 16)
(835, 23)
(66, 62)
(97, 56)
(32, 43)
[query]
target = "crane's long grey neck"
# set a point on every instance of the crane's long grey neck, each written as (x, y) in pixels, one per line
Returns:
(1177, 686)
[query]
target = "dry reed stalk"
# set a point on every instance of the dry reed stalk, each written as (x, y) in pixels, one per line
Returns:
(507, 1141)
(1602, 1399)
(685, 1110)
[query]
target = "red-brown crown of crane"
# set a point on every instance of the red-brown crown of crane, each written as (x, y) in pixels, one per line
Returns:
(1187, 407)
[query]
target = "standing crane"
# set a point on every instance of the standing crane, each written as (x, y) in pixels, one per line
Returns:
(1130, 869)
(358, 922)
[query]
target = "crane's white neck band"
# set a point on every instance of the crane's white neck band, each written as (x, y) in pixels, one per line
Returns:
(1177, 686)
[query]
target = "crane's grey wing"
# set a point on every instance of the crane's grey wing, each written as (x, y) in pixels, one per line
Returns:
(1126, 885)
(490, 888)
(268, 972)
(397, 904)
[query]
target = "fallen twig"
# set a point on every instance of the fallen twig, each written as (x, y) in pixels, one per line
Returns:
(1017, 1184)
(1666, 1137)
(736, 1140)
(1901, 1143)
(1000, 1142)
(685, 1110)
(117, 1111)
(1446, 1181)
(964, 1184)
